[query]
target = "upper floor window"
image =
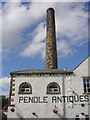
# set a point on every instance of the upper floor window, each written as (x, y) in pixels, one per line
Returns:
(53, 88)
(25, 88)
(86, 84)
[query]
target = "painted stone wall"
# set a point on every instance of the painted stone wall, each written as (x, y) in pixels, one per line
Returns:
(70, 85)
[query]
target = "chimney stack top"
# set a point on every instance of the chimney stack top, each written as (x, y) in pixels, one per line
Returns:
(50, 9)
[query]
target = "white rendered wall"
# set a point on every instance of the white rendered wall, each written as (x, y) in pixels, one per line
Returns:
(39, 85)
(83, 68)
(77, 86)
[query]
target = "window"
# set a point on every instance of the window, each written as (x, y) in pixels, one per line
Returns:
(53, 88)
(25, 88)
(86, 84)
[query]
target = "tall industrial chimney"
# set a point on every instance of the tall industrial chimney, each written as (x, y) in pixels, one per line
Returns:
(51, 49)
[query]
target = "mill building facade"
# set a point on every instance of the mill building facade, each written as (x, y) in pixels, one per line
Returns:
(50, 92)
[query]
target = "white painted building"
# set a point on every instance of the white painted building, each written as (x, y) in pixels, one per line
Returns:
(69, 84)
(50, 93)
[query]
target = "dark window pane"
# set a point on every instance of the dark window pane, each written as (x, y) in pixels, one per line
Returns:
(87, 80)
(55, 90)
(22, 90)
(53, 86)
(25, 86)
(85, 90)
(87, 84)
(84, 85)
(88, 89)
(50, 90)
(84, 80)
(27, 90)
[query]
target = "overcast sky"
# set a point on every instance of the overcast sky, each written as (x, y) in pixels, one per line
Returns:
(24, 35)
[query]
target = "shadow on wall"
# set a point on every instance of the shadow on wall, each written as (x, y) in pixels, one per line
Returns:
(4, 116)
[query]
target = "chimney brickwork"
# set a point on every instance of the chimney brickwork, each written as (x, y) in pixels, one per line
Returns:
(51, 49)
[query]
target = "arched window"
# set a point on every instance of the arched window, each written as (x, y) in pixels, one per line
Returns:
(25, 88)
(53, 88)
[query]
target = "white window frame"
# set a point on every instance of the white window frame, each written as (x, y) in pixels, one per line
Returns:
(53, 90)
(25, 90)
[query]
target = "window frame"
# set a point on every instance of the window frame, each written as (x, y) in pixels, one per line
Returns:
(86, 88)
(53, 92)
(26, 92)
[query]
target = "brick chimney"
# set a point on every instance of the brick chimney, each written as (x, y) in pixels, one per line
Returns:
(51, 49)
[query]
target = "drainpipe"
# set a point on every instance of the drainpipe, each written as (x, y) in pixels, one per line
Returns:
(63, 94)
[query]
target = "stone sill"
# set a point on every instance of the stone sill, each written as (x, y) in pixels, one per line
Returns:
(86, 93)
(87, 77)
(53, 93)
(24, 93)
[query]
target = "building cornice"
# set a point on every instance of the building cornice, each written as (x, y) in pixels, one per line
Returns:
(39, 72)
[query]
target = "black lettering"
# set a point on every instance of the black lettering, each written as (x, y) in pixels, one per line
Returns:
(86, 98)
(76, 98)
(67, 99)
(20, 99)
(45, 99)
(30, 100)
(25, 99)
(81, 98)
(59, 99)
(64, 99)
(35, 99)
(54, 100)
(40, 100)
(71, 99)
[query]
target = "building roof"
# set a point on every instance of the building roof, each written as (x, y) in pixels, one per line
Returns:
(45, 71)
(42, 71)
